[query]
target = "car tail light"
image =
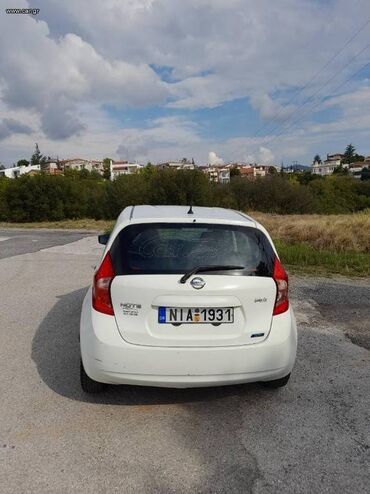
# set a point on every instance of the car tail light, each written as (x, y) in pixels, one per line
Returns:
(101, 299)
(281, 279)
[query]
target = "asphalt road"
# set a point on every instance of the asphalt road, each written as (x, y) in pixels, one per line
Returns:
(14, 242)
(311, 437)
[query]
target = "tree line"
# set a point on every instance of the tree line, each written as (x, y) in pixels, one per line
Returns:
(82, 194)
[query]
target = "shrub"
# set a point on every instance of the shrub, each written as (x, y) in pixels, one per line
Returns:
(3, 205)
(83, 194)
(272, 194)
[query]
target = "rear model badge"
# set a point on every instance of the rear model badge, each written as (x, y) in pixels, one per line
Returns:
(258, 300)
(130, 309)
(197, 283)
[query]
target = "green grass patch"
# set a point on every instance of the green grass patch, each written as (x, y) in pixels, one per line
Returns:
(303, 258)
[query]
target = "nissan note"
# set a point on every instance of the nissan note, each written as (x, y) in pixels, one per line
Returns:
(187, 297)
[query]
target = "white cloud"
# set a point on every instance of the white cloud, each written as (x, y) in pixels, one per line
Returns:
(55, 76)
(265, 155)
(167, 138)
(61, 68)
(270, 110)
(213, 159)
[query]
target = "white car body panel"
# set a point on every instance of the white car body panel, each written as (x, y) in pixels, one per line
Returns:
(151, 292)
(136, 349)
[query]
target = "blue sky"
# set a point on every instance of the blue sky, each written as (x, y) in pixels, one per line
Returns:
(219, 80)
(231, 119)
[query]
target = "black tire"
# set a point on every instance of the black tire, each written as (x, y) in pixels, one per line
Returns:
(88, 385)
(277, 383)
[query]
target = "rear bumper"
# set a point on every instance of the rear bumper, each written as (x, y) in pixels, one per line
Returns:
(108, 358)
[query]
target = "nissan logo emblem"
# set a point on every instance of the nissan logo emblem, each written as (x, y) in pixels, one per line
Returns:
(197, 283)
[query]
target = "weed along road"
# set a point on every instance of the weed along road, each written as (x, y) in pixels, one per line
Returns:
(312, 436)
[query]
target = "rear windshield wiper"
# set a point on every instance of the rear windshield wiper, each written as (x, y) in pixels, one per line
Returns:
(201, 269)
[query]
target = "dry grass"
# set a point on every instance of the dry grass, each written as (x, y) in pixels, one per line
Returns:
(83, 224)
(340, 233)
(317, 244)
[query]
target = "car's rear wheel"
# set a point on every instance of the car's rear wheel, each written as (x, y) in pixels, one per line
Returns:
(276, 383)
(88, 385)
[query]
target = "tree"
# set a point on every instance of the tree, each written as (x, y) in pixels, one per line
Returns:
(23, 162)
(2, 167)
(95, 175)
(306, 176)
(148, 170)
(37, 158)
(84, 173)
(317, 159)
(272, 170)
(339, 170)
(349, 154)
(106, 168)
(234, 172)
(358, 157)
(365, 174)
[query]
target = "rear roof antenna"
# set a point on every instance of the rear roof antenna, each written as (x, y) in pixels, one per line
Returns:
(191, 209)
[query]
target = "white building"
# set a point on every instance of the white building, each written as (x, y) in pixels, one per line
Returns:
(217, 174)
(254, 171)
(328, 166)
(356, 168)
(17, 171)
(82, 164)
(183, 164)
(264, 170)
(118, 168)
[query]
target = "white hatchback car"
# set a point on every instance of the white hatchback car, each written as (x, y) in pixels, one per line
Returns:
(187, 297)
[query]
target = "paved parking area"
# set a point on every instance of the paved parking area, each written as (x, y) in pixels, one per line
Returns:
(14, 242)
(312, 436)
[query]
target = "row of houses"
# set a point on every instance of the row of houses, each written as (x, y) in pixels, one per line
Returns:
(58, 167)
(215, 173)
(332, 161)
(219, 174)
(222, 173)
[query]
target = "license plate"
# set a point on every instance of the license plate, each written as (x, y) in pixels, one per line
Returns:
(198, 315)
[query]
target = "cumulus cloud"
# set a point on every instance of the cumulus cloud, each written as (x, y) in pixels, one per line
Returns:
(217, 50)
(264, 155)
(55, 76)
(269, 109)
(213, 159)
(95, 55)
(59, 120)
(10, 126)
(168, 137)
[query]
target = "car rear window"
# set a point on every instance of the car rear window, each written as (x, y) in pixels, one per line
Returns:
(175, 248)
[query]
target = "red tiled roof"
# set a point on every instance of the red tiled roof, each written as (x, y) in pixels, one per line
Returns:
(246, 171)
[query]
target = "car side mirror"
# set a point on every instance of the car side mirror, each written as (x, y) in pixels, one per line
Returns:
(103, 239)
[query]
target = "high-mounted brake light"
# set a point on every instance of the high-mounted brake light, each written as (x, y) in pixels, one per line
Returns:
(281, 279)
(101, 299)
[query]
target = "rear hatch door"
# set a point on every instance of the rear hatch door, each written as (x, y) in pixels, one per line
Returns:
(152, 307)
